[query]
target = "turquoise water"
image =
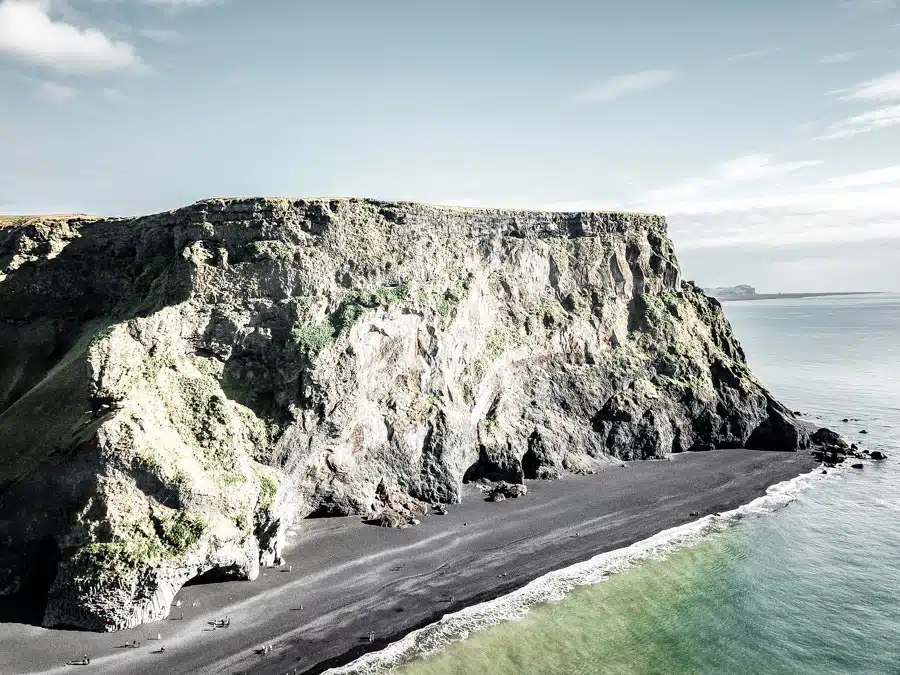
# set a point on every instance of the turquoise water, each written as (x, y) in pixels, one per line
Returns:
(811, 588)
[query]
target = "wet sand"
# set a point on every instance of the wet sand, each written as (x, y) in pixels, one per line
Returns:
(344, 579)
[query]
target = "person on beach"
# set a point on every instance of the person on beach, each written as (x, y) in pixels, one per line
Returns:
(371, 636)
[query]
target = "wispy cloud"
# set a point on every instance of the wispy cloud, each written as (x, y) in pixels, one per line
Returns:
(853, 207)
(840, 57)
(816, 199)
(883, 88)
(777, 227)
(29, 32)
(754, 54)
(888, 174)
(51, 92)
(746, 169)
(871, 120)
(623, 85)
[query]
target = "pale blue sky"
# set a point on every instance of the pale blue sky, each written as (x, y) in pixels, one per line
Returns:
(768, 131)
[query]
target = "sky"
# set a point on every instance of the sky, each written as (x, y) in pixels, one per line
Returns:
(767, 131)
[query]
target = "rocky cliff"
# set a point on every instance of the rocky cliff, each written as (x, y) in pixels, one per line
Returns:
(175, 389)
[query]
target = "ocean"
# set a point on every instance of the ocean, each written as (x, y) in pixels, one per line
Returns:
(805, 580)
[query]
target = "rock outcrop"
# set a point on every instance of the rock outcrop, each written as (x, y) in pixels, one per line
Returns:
(176, 388)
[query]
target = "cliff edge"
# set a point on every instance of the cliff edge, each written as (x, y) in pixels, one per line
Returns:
(175, 389)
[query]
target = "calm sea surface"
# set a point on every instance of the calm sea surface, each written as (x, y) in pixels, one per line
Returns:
(810, 588)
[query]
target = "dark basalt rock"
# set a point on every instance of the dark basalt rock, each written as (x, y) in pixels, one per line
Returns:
(779, 431)
(506, 491)
(826, 437)
(878, 455)
(856, 466)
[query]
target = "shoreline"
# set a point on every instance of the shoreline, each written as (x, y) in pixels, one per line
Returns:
(558, 584)
(793, 296)
(347, 579)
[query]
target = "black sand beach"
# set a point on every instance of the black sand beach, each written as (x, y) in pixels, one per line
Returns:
(344, 579)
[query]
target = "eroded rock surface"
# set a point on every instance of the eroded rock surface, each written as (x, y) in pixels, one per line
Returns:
(175, 389)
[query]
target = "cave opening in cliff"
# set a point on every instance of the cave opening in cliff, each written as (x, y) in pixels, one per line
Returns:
(217, 575)
(531, 464)
(28, 604)
(500, 467)
(330, 507)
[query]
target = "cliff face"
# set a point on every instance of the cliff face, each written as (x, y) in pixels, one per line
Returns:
(176, 388)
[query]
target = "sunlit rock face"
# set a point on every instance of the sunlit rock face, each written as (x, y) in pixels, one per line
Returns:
(175, 389)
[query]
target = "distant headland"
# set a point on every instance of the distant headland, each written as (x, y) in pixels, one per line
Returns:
(746, 292)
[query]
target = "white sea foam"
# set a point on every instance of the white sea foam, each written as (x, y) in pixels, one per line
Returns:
(556, 585)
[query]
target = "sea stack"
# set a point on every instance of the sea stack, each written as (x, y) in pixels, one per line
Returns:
(177, 389)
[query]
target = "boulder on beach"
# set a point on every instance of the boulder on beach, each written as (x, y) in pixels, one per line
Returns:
(506, 490)
(396, 508)
(387, 517)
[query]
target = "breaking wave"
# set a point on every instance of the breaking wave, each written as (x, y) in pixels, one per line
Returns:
(556, 585)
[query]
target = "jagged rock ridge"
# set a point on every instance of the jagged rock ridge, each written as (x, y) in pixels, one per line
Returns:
(177, 388)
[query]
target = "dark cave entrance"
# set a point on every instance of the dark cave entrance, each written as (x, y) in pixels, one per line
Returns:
(502, 467)
(531, 464)
(28, 604)
(218, 575)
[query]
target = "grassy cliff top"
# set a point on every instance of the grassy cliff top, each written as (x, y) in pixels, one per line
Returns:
(408, 204)
(21, 221)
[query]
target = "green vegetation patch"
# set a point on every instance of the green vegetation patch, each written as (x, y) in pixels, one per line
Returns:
(268, 486)
(180, 532)
(498, 341)
(448, 302)
(272, 249)
(314, 337)
(160, 537)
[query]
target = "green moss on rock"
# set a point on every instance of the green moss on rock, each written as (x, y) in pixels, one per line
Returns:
(314, 337)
